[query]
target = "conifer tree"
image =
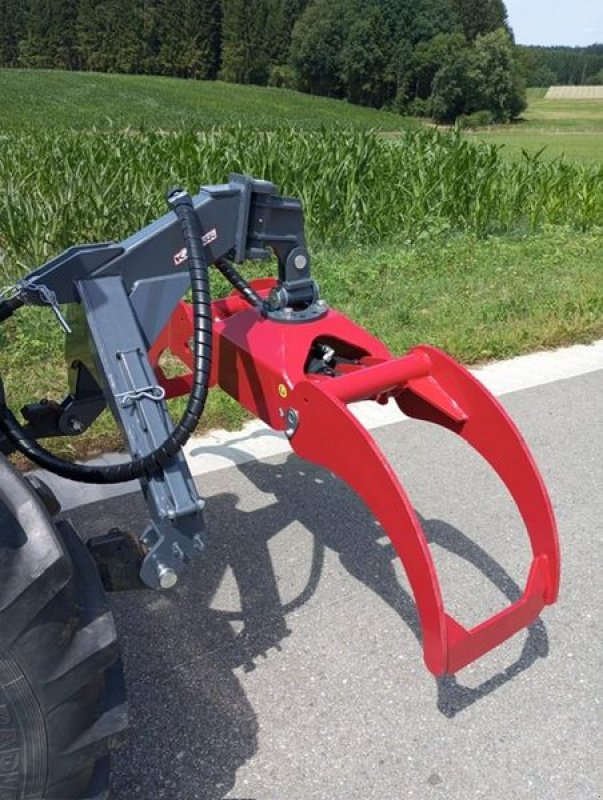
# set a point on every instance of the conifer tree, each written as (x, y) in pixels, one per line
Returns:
(245, 49)
(12, 31)
(478, 17)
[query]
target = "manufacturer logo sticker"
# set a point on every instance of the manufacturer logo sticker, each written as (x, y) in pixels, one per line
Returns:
(209, 237)
(182, 255)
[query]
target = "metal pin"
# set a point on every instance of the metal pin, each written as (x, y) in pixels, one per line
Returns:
(177, 551)
(50, 299)
(292, 417)
(166, 576)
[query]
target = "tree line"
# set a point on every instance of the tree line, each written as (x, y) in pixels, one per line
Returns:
(562, 66)
(439, 58)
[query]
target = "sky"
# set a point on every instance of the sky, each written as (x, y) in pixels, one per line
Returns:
(556, 22)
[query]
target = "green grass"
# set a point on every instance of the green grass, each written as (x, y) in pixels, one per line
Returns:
(586, 148)
(569, 128)
(58, 100)
(478, 299)
(563, 115)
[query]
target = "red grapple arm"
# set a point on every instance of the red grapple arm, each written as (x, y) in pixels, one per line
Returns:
(267, 366)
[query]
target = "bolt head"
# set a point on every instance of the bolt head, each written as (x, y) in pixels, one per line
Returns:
(292, 418)
(300, 261)
(75, 425)
(167, 576)
(274, 300)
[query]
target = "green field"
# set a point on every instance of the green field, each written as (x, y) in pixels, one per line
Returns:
(422, 236)
(584, 147)
(559, 116)
(55, 99)
(356, 186)
(570, 128)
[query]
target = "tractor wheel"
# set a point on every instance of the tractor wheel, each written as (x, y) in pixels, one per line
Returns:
(62, 698)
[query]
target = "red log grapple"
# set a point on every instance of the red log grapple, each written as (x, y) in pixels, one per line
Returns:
(277, 348)
(301, 379)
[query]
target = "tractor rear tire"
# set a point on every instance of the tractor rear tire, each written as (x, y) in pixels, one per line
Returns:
(62, 694)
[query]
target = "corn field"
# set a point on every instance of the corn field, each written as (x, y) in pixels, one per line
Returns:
(358, 187)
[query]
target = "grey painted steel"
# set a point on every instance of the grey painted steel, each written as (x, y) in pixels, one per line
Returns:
(170, 288)
(137, 404)
(243, 219)
(59, 273)
(127, 293)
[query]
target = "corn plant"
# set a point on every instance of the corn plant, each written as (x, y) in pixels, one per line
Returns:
(356, 186)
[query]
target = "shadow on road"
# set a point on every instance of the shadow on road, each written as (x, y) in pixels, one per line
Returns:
(192, 724)
(372, 563)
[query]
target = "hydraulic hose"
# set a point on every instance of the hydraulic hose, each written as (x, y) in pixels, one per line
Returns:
(240, 284)
(152, 463)
(9, 306)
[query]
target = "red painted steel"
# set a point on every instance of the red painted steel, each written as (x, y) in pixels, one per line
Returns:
(263, 365)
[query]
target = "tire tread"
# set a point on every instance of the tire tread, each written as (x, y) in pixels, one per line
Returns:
(58, 641)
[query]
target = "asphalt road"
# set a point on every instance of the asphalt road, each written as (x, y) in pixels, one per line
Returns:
(287, 664)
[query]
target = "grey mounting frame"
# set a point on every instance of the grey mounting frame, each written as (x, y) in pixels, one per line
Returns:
(126, 294)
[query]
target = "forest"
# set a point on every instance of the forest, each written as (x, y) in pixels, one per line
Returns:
(562, 66)
(436, 58)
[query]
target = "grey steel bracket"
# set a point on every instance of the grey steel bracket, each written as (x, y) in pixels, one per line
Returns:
(73, 415)
(290, 315)
(119, 298)
(243, 219)
(174, 533)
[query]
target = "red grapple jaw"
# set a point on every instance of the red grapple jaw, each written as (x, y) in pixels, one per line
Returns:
(431, 386)
(262, 364)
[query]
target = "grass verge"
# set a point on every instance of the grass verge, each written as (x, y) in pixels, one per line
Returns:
(479, 299)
